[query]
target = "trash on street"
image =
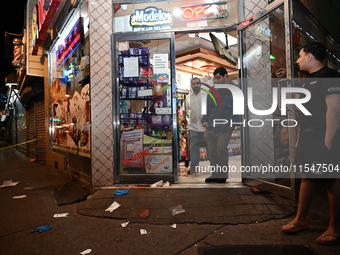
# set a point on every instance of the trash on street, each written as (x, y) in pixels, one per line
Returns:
(21, 196)
(176, 210)
(160, 184)
(86, 252)
(60, 215)
(42, 229)
(157, 184)
(9, 183)
(120, 192)
(143, 231)
(112, 207)
(144, 213)
(124, 224)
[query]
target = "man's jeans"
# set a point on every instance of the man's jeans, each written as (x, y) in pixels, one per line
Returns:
(195, 138)
(218, 152)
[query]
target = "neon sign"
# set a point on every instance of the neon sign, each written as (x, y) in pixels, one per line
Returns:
(151, 18)
(204, 11)
(73, 40)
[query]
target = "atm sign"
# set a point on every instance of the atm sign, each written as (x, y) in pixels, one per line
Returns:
(204, 11)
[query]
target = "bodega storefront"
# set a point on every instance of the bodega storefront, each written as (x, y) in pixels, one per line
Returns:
(140, 80)
(156, 49)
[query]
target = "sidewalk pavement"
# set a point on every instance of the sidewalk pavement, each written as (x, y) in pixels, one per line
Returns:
(212, 217)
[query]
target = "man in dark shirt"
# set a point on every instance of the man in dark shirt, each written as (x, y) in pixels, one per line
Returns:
(319, 141)
(218, 135)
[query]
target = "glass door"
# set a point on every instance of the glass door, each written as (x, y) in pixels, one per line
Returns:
(269, 130)
(145, 108)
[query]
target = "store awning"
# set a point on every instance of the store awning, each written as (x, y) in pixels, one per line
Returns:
(31, 90)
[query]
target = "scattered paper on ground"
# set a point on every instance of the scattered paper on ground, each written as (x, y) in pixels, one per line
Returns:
(17, 197)
(143, 231)
(160, 184)
(112, 207)
(174, 226)
(157, 184)
(86, 252)
(60, 215)
(176, 210)
(125, 224)
(9, 183)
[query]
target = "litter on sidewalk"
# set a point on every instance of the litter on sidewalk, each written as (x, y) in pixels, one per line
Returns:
(124, 224)
(88, 251)
(160, 184)
(60, 215)
(121, 192)
(112, 207)
(143, 213)
(176, 210)
(18, 197)
(42, 229)
(9, 183)
(144, 232)
(173, 226)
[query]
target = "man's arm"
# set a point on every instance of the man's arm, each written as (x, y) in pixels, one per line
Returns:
(332, 118)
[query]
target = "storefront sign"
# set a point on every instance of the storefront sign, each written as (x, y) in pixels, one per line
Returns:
(204, 11)
(46, 11)
(74, 39)
(151, 18)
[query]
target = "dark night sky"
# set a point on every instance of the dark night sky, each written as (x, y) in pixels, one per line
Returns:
(12, 21)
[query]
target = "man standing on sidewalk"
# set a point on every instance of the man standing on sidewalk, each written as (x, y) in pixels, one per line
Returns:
(218, 136)
(319, 141)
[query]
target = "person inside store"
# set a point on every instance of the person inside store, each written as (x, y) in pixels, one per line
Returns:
(319, 142)
(193, 107)
(218, 136)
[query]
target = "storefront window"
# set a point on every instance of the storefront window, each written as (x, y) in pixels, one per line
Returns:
(70, 88)
(165, 15)
(145, 107)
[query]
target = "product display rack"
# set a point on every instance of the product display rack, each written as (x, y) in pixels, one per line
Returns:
(145, 115)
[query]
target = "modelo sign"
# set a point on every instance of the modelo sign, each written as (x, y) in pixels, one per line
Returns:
(150, 18)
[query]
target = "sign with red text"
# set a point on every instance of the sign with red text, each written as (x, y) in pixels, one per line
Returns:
(204, 11)
(72, 41)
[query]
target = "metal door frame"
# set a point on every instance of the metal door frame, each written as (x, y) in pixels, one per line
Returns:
(135, 178)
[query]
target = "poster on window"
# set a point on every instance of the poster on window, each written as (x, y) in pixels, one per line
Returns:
(71, 118)
(158, 164)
